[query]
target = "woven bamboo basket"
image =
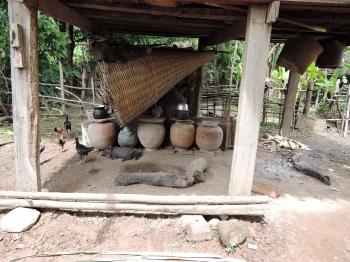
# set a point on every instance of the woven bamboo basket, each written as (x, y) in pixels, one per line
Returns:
(137, 84)
(298, 53)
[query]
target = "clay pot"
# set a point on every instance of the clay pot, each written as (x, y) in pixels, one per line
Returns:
(209, 138)
(99, 112)
(151, 135)
(182, 135)
(127, 137)
(102, 135)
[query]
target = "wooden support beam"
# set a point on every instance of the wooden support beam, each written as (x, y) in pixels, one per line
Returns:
(250, 103)
(310, 87)
(233, 32)
(251, 210)
(272, 12)
(136, 198)
(25, 99)
(289, 103)
(199, 84)
(62, 12)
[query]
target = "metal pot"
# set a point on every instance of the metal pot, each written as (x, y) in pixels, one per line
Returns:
(99, 112)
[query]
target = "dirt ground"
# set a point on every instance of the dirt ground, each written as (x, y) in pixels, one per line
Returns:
(310, 221)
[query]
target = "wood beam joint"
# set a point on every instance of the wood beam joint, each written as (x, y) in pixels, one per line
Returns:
(233, 32)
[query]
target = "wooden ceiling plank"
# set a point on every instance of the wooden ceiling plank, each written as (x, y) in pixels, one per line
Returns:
(142, 18)
(63, 13)
(122, 7)
(320, 2)
(233, 32)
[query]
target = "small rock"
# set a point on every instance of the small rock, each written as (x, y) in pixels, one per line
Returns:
(251, 246)
(213, 222)
(19, 220)
(224, 217)
(231, 233)
(196, 227)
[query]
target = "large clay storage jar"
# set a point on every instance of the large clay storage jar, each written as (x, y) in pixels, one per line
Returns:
(182, 134)
(102, 135)
(209, 136)
(127, 137)
(151, 132)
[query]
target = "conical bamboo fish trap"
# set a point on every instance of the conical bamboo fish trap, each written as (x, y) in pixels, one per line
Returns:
(139, 83)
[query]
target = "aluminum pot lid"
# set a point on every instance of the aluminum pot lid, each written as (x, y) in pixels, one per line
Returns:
(182, 106)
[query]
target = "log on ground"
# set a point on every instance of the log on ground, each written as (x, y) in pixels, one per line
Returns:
(155, 179)
(251, 210)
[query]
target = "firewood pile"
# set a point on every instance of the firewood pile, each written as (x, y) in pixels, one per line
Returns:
(278, 142)
(186, 87)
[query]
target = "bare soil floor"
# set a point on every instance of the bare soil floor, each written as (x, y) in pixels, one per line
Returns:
(310, 221)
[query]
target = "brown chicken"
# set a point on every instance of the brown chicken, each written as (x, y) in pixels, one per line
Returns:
(61, 143)
(58, 130)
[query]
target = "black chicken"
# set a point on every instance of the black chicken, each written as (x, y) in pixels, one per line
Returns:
(68, 125)
(82, 150)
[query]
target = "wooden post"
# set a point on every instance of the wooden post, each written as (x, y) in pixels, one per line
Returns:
(83, 92)
(63, 107)
(199, 85)
(345, 121)
(289, 103)
(256, 50)
(310, 87)
(93, 90)
(25, 94)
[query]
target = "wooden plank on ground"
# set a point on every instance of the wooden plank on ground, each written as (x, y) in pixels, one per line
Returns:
(266, 190)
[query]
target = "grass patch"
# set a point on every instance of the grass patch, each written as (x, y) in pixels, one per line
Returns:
(269, 126)
(6, 133)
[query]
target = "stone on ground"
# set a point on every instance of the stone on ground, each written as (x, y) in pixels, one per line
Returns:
(196, 227)
(231, 233)
(19, 220)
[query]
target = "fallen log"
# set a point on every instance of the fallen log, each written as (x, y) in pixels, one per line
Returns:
(196, 169)
(308, 169)
(6, 118)
(136, 198)
(5, 143)
(251, 210)
(266, 190)
(155, 179)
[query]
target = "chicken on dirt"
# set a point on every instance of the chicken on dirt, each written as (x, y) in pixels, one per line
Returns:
(68, 125)
(58, 130)
(61, 143)
(82, 150)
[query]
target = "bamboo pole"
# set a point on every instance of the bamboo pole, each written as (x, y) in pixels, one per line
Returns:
(251, 210)
(346, 114)
(63, 107)
(93, 90)
(136, 198)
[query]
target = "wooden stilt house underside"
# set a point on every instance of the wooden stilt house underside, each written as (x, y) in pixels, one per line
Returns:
(257, 22)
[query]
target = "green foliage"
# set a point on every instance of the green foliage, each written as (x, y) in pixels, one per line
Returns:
(218, 70)
(4, 38)
(269, 126)
(279, 77)
(52, 48)
(231, 248)
(6, 132)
